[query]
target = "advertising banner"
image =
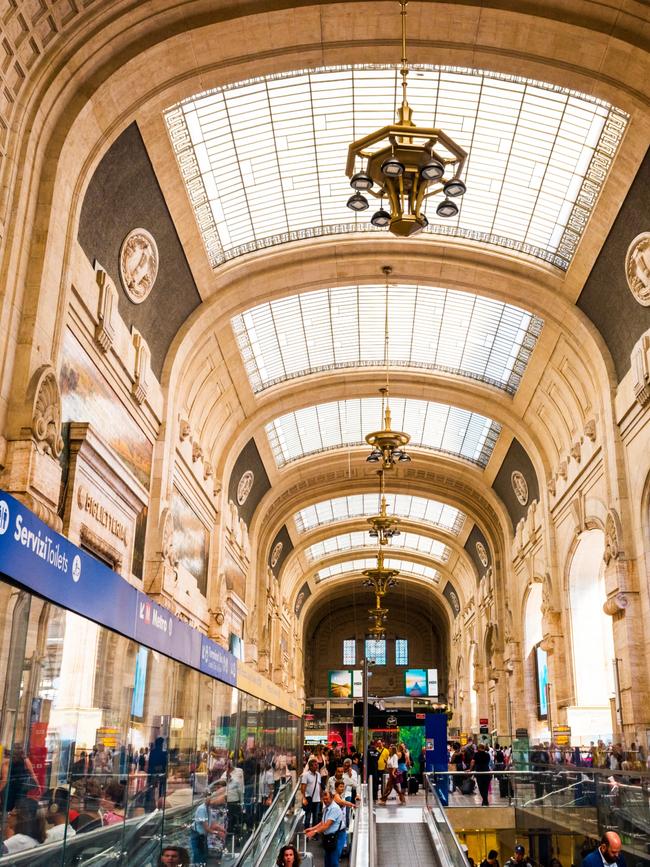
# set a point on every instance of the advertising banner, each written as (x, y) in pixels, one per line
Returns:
(340, 684)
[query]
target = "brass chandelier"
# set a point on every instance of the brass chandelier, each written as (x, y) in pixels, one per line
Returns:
(405, 164)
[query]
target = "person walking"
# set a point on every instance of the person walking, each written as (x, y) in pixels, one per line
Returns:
(310, 789)
(492, 859)
(518, 859)
(480, 766)
(393, 783)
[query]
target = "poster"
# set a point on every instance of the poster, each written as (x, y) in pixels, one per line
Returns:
(415, 682)
(340, 684)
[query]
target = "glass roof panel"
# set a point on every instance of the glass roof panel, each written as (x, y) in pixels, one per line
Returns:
(437, 329)
(364, 505)
(361, 539)
(407, 567)
(345, 423)
(263, 160)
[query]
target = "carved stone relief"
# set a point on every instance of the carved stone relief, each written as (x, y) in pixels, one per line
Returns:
(612, 537)
(244, 487)
(519, 486)
(138, 264)
(637, 268)
(482, 553)
(46, 412)
(276, 554)
(140, 387)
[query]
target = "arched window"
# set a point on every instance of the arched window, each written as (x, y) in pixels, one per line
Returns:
(533, 634)
(591, 629)
(473, 697)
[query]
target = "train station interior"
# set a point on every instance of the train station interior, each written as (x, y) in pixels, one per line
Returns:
(324, 419)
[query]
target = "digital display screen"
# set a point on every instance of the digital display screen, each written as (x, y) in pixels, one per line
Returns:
(137, 702)
(415, 682)
(432, 682)
(340, 684)
(541, 665)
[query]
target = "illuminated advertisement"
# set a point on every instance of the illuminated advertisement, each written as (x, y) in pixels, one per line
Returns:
(541, 665)
(415, 682)
(432, 682)
(137, 702)
(340, 684)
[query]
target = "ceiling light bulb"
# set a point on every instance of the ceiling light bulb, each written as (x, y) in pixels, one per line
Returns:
(380, 218)
(432, 171)
(357, 202)
(392, 168)
(455, 187)
(447, 208)
(361, 181)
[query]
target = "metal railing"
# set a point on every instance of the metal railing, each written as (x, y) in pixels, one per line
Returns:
(446, 847)
(584, 800)
(362, 853)
(278, 827)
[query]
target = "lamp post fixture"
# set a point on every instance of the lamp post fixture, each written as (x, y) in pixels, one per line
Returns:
(405, 164)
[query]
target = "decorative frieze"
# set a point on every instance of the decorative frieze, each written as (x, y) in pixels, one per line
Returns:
(142, 367)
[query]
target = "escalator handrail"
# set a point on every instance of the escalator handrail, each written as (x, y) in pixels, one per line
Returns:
(430, 789)
(254, 837)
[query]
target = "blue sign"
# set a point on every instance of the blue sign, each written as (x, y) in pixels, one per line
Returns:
(217, 662)
(45, 562)
(158, 628)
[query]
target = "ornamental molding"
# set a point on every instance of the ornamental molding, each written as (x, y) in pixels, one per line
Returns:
(637, 268)
(107, 307)
(138, 264)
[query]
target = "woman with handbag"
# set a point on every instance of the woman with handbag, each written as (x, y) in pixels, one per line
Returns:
(332, 827)
(393, 778)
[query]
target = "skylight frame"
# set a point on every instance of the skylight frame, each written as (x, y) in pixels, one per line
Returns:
(407, 506)
(239, 105)
(358, 564)
(342, 327)
(321, 427)
(415, 543)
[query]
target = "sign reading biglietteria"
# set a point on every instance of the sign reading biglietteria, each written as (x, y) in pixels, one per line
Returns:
(37, 558)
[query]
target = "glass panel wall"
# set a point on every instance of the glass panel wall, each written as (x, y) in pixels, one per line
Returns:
(109, 748)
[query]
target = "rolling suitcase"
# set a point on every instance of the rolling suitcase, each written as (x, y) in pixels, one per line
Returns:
(467, 786)
(413, 786)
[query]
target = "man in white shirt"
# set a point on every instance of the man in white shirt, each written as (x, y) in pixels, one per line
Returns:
(332, 824)
(311, 794)
(351, 778)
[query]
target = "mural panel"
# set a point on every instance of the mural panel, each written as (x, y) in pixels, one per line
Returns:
(87, 397)
(190, 540)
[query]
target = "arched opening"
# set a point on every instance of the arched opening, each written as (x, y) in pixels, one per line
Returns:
(592, 641)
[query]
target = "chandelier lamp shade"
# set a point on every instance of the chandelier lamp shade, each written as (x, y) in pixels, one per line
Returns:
(383, 526)
(405, 164)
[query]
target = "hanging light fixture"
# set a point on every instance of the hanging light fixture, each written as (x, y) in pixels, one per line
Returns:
(388, 446)
(380, 580)
(407, 164)
(383, 526)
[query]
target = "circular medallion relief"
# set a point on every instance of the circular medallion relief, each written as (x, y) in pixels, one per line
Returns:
(482, 553)
(275, 554)
(244, 486)
(519, 486)
(138, 264)
(637, 268)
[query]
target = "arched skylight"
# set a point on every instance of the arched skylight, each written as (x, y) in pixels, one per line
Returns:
(407, 567)
(362, 539)
(263, 160)
(346, 422)
(438, 329)
(358, 505)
